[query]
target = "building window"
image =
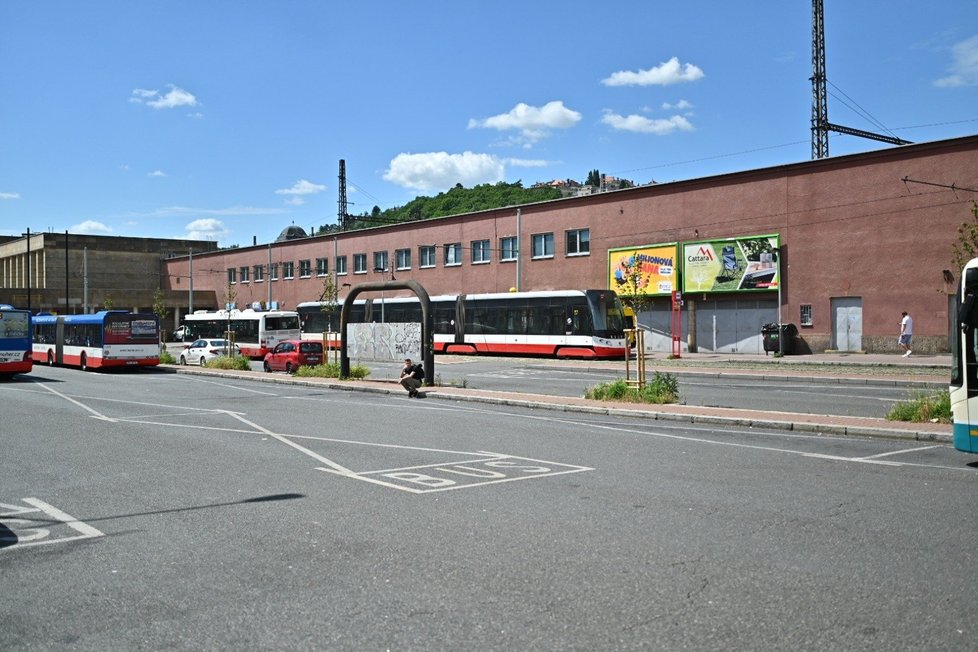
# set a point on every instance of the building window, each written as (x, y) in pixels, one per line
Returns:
(232, 276)
(259, 273)
(403, 258)
(453, 254)
(305, 268)
(579, 242)
(543, 245)
(341, 265)
(427, 256)
(322, 266)
(244, 274)
(273, 272)
(508, 248)
(806, 315)
(480, 252)
(288, 270)
(380, 261)
(359, 263)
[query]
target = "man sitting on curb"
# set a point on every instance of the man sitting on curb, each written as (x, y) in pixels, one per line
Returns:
(411, 377)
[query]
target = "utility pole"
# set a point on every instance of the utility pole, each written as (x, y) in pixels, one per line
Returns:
(342, 211)
(820, 107)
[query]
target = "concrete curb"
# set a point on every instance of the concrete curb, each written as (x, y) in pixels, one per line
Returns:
(808, 423)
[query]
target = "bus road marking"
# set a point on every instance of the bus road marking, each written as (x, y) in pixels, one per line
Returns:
(23, 532)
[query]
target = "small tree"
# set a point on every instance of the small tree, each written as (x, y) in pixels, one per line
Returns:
(329, 306)
(966, 247)
(160, 309)
(108, 303)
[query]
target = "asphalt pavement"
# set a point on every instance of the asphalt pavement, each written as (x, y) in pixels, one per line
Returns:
(915, 371)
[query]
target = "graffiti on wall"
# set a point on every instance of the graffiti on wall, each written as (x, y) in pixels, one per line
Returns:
(384, 341)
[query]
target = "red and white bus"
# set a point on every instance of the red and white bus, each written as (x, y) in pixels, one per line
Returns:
(255, 332)
(110, 338)
(560, 323)
(15, 341)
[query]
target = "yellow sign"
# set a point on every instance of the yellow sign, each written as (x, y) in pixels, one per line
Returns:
(649, 270)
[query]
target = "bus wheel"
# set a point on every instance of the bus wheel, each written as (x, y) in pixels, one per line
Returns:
(50, 359)
(84, 362)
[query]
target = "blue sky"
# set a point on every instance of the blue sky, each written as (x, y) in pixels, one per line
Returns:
(226, 120)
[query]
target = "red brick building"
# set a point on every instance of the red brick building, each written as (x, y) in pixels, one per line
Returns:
(860, 239)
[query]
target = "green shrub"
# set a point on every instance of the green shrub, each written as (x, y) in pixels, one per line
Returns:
(663, 388)
(235, 362)
(923, 407)
(332, 370)
(167, 358)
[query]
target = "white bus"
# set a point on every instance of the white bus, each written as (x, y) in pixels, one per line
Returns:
(562, 323)
(964, 360)
(255, 332)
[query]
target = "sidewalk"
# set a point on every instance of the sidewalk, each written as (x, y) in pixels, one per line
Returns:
(933, 370)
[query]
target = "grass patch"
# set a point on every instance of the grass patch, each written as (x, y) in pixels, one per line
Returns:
(235, 362)
(663, 388)
(332, 370)
(922, 408)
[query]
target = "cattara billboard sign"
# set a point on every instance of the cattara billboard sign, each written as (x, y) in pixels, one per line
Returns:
(748, 264)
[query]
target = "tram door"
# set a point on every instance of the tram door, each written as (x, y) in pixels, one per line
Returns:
(847, 323)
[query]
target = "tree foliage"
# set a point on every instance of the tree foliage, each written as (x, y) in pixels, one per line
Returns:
(966, 247)
(457, 201)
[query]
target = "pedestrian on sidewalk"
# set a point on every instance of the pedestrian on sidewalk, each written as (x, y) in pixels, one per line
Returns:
(411, 377)
(906, 334)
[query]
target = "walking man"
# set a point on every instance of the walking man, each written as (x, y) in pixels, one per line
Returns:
(906, 334)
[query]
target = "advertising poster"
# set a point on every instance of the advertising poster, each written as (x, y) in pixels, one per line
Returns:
(649, 270)
(731, 265)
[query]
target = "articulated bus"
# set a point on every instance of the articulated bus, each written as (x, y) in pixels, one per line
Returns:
(256, 333)
(964, 360)
(106, 339)
(15, 341)
(563, 324)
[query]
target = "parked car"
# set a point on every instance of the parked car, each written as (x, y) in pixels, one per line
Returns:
(201, 351)
(179, 334)
(289, 355)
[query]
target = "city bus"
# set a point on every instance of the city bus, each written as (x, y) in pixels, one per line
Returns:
(15, 341)
(106, 339)
(255, 332)
(964, 360)
(563, 323)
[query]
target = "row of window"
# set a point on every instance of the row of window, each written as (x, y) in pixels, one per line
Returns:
(578, 243)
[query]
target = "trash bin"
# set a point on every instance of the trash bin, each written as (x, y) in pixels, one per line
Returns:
(779, 337)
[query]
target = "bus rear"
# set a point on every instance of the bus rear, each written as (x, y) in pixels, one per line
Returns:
(15, 341)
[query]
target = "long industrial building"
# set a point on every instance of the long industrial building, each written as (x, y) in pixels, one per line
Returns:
(838, 247)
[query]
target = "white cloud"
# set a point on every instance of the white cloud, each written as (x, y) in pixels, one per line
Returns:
(643, 125)
(964, 69)
(9, 195)
(533, 122)
(527, 163)
(90, 226)
(681, 105)
(206, 229)
(157, 173)
(441, 170)
(302, 187)
(152, 98)
(670, 72)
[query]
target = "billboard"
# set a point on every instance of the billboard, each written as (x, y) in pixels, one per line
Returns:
(747, 264)
(649, 270)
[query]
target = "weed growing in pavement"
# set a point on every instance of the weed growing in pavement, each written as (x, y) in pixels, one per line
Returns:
(332, 370)
(664, 388)
(923, 407)
(235, 362)
(463, 383)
